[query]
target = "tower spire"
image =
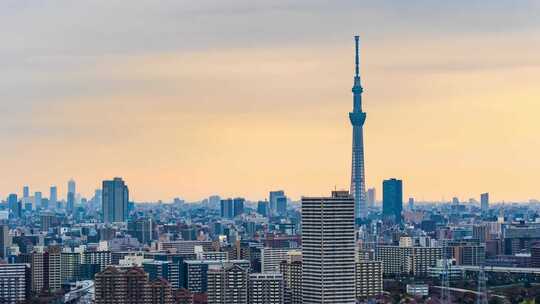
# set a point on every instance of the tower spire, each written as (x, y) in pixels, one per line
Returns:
(357, 61)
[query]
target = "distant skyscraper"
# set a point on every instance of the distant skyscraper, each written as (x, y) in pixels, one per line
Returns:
(358, 117)
(262, 208)
(231, 208)
(53, 197)
(70, 206)
(37, 199)
(273, 196)
(392, 200)
(484, 201)
(328, 248)
(115, 196)
(14, 205)
(72, 186)
(371, 197)
(227, 208)
(26, 192)
(281, 205)
(411, 203)
(238, 204)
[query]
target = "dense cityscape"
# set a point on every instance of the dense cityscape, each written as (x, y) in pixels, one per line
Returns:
(354, 246)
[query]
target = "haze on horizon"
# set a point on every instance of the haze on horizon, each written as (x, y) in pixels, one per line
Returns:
(193, 98)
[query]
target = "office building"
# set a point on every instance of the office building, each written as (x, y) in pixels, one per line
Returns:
(71, 186)
(115, 197)
(142, 229)
(392, 200)
(37, 200)
(227, 284)
(369, 279)
(231, 208)
(26, 192)
(328, 249)
(272, 197)
(266, 288)
(238, 206)
(281, 205)
(371, 197)
(262, 208)
(70, 204)
(14, 205)
(14, 283)
(5, 240)
(484, 201)
(53, 197)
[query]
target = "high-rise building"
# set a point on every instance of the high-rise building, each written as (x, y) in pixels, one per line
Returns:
(484, 201)
(70, 205)
(115, 200)
(371, 197)
(142, 229)
(228, 284)
(227, 208)
(46, 269)
(392, 200)
(328, 249)
(71, 186)
(262, 208)
(281, 205)
(70, 266)
(53, 197)
(14, 205)
(369, 279)
(292, 275)
(14, 283)
(410, 204)
(26, 192)
(266, 288)
(37, 199)
(358, 118)
(272, 198)
(231, 208)
(238, 206)
(5, 240)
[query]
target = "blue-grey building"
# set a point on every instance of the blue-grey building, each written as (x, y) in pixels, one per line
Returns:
(392, 200)
(115, 197)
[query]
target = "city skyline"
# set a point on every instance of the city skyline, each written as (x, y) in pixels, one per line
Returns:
(451, 95)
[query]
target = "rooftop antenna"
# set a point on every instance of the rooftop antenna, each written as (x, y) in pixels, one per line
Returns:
(357, 61)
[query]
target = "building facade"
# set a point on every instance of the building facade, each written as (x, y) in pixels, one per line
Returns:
(328, 249)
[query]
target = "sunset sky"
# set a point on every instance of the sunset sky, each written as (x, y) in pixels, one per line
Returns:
(194, 98)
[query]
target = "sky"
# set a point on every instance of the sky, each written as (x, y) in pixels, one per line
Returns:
(193, 98)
